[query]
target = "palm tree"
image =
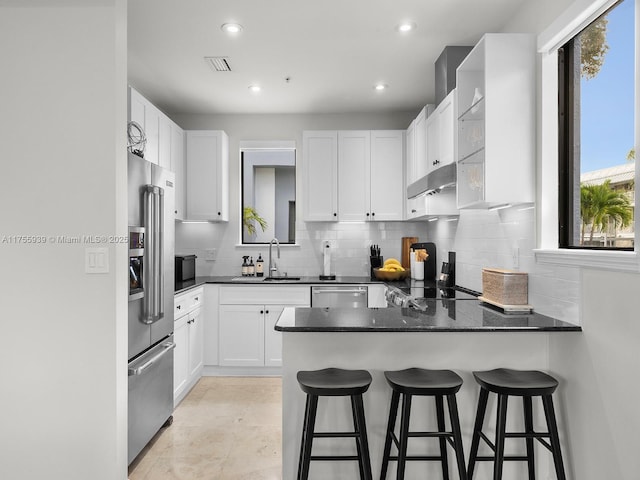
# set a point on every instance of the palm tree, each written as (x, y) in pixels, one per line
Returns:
(601, 206)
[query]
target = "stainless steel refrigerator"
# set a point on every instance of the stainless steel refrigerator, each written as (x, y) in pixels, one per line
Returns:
(151, 287)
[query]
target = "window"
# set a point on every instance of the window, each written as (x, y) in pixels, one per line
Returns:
(596, 79)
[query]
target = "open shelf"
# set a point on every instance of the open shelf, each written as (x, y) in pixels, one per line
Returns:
(474, 113)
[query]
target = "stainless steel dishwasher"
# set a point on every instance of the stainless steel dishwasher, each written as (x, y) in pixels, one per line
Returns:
(340, 296)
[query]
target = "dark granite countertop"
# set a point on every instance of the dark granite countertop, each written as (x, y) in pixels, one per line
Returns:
(442, 315)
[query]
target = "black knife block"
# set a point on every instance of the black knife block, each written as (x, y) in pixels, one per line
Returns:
(376, 262)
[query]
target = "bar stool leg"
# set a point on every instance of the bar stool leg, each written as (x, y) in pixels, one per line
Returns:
(391, 425)
(457, 435)
(364, 442)
(356, 429)
(549, 413)
(308, 443)
(443, 441)
(304, 435)
(404, 435)
(501, 424)
(477, 428)
(528, 428)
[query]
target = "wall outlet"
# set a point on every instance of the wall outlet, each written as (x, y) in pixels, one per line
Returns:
(210, 254)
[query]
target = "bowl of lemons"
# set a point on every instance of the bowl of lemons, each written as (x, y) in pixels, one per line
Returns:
(392, 270)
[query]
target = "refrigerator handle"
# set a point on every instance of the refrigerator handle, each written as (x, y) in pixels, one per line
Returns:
(159, 234)
(149, 255)
(153, 277)
(139, 370)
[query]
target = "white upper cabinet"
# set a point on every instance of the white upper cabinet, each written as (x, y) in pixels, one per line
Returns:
(158, 129)
(179, 168)
(496, 122)
(354, 160)
(320, 154)
(443, 145)
(387, 192)
(207, 154)
(420, 165)
(354, 175)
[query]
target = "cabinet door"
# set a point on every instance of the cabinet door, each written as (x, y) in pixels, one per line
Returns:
(420, 161)
(447, 130)
(272, 338)
(152, 132)
(207, 175)
(433, 133)
(354, 161)
(320, 153)
(387, 185)
(241, 335)
(180, 355)
(178, 167)
(164, 141)
(196, 323)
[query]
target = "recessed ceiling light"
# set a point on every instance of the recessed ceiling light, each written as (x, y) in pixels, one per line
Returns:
(406, 27)
(232, 28)
(380, 87)
(255, 88)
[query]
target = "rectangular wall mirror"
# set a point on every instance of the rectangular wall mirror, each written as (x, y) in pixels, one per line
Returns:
(268, 195)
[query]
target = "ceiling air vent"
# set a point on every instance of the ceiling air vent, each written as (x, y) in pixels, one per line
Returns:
(219, 64)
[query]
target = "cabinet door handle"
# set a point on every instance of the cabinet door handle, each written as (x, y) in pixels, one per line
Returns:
(267, 312)
(261, 312)
(179, 307)
(196, 299)
(373, 214)
(413, 210)
(367, 214)
(335, 214)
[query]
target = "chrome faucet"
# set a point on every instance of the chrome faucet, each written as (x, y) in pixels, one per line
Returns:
(273, 267)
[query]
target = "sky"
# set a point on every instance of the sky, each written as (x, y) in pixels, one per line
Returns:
(607, 128)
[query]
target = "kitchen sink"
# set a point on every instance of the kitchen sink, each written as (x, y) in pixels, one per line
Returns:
(282, 279)
(248, 279)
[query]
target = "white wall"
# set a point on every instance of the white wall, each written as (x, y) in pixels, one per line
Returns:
(63, 357)
(351, 240)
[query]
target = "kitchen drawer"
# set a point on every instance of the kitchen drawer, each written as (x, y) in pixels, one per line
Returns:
(180, 306)
(195, 298)
(266, 295)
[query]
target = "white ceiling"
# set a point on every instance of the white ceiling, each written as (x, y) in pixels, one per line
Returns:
(334, 51)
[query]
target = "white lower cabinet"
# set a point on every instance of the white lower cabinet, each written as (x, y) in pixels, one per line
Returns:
(188, 355)
(247, 316)
(241, 335)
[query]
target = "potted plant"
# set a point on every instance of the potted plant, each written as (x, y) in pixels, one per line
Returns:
(250, 217)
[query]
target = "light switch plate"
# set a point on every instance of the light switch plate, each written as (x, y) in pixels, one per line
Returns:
(96, 260)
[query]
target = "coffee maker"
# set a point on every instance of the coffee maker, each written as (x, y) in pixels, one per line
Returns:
(447, 277)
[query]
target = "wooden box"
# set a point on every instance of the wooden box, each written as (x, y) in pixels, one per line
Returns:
(505, 287)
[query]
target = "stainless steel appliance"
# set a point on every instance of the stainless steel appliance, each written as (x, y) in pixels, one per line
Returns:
(339, 296)
(151, 281)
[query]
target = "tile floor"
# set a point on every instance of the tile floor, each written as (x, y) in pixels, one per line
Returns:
(227, 428)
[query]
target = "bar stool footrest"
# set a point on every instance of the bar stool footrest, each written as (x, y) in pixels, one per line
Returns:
(513, 458)
(423, 458)
(334, 457)
(334, 435)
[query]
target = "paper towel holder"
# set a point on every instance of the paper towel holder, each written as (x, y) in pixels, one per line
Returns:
(327, 268)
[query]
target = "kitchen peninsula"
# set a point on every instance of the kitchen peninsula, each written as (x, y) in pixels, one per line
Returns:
(461, 335)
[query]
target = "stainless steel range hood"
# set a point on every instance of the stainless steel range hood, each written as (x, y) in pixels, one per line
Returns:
(433, 182)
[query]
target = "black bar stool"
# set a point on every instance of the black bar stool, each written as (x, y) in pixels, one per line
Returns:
(334, 382)
(434, 383)
(526, 384)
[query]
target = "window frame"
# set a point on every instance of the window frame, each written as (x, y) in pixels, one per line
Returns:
(567, 171)
(562, 29)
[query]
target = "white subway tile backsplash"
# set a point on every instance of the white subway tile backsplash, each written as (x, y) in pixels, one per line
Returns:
(483, 238)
